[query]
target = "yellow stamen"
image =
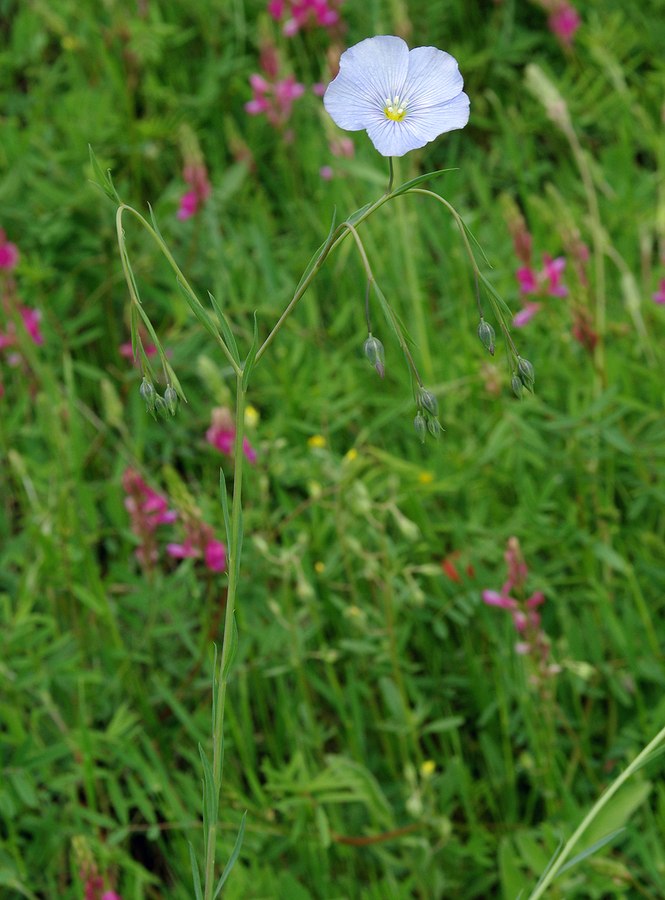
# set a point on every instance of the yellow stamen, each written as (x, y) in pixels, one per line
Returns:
(395, 109)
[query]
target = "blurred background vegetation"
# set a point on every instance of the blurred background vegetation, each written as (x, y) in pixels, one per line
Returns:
(384, 734)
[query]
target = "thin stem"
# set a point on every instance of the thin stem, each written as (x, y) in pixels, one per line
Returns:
(233, 564)
(593, 812)
(387, 307)
(335, 240)
(391, 177)
(477, 274)
(171, 261)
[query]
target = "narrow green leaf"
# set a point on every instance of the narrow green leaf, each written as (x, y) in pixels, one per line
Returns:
(214, 684)
(154, 223)
(320, 249)
(358, 214)
(103, 179)
(198, 310)
(233, 649)
(589, 851)
(229, 339)
(196, 877)
(419, 180)
(251, 355)
(225, 506)
(210, 794)
(232, 858)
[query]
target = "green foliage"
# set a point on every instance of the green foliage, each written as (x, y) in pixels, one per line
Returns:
(383, 735)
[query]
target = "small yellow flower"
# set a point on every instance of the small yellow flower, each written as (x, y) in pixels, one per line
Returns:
(425, 477)
(251, 416)
(317, 442)
(319, 567)
(428, 768)
(351, 455)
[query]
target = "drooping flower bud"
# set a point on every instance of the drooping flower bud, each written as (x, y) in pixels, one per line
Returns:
(171, 399)
(160, 406)
(147, 392)
(373, 350)
(486, 335)
(428, 401)
(434, 427)
(516, 385)
(420, 425)
(526, 373)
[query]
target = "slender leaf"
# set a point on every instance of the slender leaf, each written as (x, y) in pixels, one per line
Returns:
(210, 793)
(196, 877)
(229, 339)
(232, 858)
(589, 851)
(198, 310)
(419, 180)
(233, 649)
(251, 355)
(225, 506)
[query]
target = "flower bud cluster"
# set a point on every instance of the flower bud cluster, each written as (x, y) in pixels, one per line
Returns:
(524, 377)
(426, 419)
(155, 404)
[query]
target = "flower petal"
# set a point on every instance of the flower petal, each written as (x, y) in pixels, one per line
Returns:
(434, 77)
(419, 127)
(369, 73)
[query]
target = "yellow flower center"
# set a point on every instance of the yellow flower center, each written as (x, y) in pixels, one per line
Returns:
(395, 109)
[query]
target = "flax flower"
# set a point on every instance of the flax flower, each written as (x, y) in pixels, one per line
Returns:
(403, 98)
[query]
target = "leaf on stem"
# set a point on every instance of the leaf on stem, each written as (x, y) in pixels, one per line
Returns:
(419, 180)
(251, 355)
(225, 506)
(103, 179)
(233, 649)
(232, 858)
(229, 339)
(210, 794)
(196, 877)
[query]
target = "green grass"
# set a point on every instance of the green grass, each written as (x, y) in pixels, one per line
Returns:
(359, 660)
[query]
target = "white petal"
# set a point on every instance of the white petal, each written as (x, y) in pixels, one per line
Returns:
(397, 138)
(369, 73)
(434, 76)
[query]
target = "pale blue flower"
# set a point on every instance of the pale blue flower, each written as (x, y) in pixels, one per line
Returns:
(403, 98)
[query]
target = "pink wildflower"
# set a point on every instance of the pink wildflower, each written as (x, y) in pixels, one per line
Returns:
(147, 511)
(126, 350)
(200, 543)
(659, 296)
(31, 319)
(274, 98)
(9, 255)
(547, 282)
(195, 175)
(551, 274)
(304, 14)
(563, 23)
(525, 315)
(222, 434)
(111, 895)
(215, 556)
(533, 642)
(326, 173)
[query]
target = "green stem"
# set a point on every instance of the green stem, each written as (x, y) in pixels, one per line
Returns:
(233, 564)
(477, 274)
(171, 261)
(339, 234)
(639, 760)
